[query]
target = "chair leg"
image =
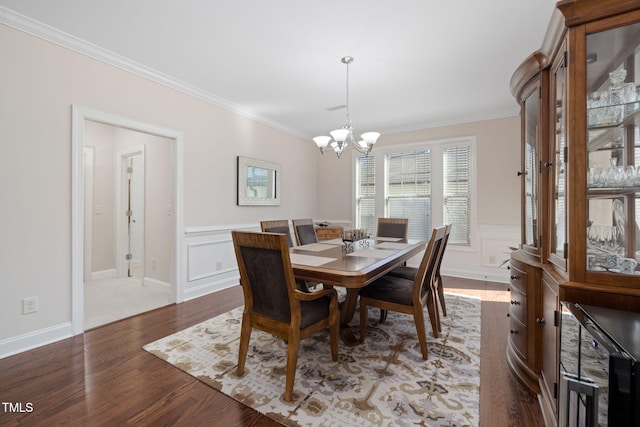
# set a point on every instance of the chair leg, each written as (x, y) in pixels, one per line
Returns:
(364, 318)
(292, 362)
(418, 318)
(245, 335)
(383, 315)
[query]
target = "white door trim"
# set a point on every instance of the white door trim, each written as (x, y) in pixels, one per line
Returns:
(88, 159)
(79, 114)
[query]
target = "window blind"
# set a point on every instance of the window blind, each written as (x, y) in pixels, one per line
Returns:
(408, 190)
(457, 193)
(366, 193)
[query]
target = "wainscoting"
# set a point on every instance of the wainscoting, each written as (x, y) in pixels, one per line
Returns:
(210, 263)
(209, 259)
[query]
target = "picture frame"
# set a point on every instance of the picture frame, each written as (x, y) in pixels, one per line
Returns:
(258, 182)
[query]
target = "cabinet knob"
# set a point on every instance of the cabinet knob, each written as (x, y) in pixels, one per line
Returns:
(513, 331)
(548, 164)
(540, 321)
(514, 277)
(515, 302)
(519, 173)
(508, 314)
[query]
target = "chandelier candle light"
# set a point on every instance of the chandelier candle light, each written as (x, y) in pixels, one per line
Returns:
(343, 136)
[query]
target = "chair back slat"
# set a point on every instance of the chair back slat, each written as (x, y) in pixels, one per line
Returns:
(266, 275)
(278, 226)
(393, 227)
(266, 278)
(305, 231)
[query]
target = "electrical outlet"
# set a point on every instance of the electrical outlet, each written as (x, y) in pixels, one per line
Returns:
(29, 305)
(218, 265)
(492, 259)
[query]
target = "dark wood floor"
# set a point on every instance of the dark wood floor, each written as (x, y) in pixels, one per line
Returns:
(104, 377)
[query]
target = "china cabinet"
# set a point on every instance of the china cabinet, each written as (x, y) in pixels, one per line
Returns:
(580, 113)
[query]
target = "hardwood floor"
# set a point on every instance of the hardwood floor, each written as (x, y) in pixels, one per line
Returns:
(104, 377)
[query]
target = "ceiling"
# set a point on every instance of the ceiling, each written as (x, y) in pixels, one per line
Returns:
(417, 63)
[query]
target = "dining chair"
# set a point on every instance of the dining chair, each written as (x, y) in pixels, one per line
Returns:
(304, 231)
(393, 227)
(274, 304)
(406, 296)
(437, 285)
(277, 226)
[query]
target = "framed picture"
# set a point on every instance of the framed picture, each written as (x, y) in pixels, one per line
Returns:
(258, 182)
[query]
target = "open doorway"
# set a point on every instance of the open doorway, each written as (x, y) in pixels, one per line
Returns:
(126, 217)
(127, 220)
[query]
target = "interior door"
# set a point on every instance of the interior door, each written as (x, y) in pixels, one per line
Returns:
(135, 215)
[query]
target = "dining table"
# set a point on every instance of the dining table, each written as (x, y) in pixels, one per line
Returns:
(351, 265)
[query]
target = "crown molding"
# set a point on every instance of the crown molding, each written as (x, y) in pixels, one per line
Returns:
(46, 32)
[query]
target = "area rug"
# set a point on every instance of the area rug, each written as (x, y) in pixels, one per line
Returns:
(383, 382)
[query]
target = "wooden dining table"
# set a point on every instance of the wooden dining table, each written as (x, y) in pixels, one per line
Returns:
(329, 262)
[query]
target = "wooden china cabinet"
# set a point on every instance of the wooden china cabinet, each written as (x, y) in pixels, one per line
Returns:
(580, 109)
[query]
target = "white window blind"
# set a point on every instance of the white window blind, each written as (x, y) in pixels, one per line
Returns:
(408, 190)
(366, 193)
(457, 193)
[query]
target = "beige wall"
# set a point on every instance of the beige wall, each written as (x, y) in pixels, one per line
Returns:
(108, 141)
(39, 82)
(498, 160)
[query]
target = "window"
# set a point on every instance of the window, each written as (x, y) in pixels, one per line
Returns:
(366, 192)
(457, 193)
(429, 183)
(408, 190)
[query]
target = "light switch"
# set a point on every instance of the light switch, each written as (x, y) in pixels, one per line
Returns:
(98, 209)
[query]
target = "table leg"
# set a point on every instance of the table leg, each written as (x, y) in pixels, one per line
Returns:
(346, 315)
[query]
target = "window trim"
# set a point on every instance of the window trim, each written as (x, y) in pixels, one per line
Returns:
(437, 180)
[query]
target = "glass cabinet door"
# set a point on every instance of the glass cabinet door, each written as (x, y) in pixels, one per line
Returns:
(613, 162)
(558, 165)
(530, 173)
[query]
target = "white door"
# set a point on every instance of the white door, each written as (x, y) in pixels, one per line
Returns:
(135, 215)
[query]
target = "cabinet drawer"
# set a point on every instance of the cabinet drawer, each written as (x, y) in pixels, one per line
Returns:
(518, 279)
(517, 305)
(518, 336)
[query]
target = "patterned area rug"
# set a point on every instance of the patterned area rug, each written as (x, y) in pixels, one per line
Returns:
(383, 382)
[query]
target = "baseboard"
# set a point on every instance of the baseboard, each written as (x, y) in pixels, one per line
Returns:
(103, 274)
(500, 276)
(208, 288)
(151, 281)
(31, 340)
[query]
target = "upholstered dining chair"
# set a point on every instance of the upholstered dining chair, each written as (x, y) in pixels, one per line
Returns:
(436, 285)
(278, 226)
(304, 231)
(274, 304)
(406, 296)
(393, 227)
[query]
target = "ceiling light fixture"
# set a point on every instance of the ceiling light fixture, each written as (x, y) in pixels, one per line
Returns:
(343, 136)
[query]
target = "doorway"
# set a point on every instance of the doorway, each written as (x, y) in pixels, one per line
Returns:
(129, 191)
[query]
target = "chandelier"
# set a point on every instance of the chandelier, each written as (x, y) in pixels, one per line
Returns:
(341, 138)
